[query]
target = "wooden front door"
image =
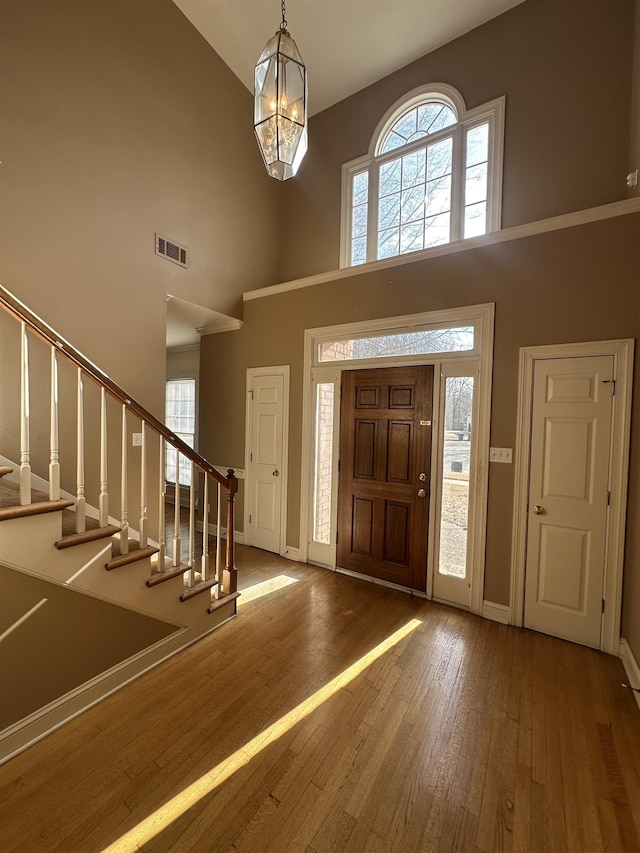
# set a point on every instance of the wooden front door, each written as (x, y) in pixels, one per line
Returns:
(383, 493)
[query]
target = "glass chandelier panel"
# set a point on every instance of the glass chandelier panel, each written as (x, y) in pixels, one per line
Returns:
(280, 104)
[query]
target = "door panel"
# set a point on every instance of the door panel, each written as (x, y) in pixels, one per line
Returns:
(385, 444)
(265, 462)
(571, 424)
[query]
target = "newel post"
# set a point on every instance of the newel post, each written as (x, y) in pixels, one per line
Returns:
(230, 574)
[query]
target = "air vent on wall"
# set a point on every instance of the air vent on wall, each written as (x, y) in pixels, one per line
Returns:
(172, 251)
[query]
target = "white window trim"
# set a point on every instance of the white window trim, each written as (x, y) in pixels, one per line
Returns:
(482, 317)
(492, 112)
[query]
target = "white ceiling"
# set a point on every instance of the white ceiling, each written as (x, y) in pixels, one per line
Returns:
(345, 44)
(186, 322)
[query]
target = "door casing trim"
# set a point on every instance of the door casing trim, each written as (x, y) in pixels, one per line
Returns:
(622, 352)
(283, 370)
(484, 316)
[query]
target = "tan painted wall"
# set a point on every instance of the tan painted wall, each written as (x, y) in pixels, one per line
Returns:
(183, 363)
(118, 120)
(565, 68)
(574, 285)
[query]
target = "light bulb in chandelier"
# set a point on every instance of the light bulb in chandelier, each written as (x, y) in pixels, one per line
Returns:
(280, 104)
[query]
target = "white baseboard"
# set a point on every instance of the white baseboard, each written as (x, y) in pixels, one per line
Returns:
(30, 730)
(630, 667)
(238, 536)
(496, 612)
(292, 554)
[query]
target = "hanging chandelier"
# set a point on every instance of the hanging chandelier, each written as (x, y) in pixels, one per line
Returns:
(280, 104)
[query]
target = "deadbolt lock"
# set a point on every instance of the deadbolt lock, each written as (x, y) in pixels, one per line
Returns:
(422, 477)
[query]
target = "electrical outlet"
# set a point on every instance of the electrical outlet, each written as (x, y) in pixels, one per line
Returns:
(136, 439)
(499, 454)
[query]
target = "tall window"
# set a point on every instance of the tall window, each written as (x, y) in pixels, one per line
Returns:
(180, 417)
(433, 175)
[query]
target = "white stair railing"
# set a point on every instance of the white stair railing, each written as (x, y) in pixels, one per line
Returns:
(196, 570)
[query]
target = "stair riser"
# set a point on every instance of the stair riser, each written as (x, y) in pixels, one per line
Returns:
(28, 543)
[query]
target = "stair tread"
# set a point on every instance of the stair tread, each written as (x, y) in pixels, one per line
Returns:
(133, 556)
(201, 586)
(5, 469)
(88, 536)
(168, 574)
(38, 508)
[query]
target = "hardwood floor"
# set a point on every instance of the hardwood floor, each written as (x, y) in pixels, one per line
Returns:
(335, 715)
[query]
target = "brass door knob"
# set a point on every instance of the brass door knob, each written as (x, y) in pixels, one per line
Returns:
(422, 493)
(539, 510)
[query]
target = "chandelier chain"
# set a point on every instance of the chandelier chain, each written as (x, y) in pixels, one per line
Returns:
(283, 25)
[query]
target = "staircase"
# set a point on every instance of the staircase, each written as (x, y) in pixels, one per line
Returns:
(69, 537)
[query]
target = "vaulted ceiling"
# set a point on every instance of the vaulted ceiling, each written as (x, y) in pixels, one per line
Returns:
(345, 44)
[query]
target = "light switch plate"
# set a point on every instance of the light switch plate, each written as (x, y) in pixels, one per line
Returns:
(137, 439)
(500, 454)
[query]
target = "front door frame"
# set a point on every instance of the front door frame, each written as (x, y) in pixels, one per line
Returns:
(483, 318)
(622, 352)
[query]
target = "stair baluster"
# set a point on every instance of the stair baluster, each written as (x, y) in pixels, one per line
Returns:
(177, 544)
(162, 483)
(54, 446)
(124, 486)
(25, 453)
(218, 589)
(103, 499)
(144, 536)
(190, 576)
(81, 503)
(204, 563)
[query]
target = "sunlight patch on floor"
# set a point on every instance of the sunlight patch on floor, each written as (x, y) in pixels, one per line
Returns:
(153, 825)
(259, 590)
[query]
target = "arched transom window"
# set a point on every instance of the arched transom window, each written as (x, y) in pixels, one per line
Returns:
(433, 175)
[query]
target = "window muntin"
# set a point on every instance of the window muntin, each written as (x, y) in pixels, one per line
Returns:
(180, 418)
(434, 177)
(402, 342)
(416, 123)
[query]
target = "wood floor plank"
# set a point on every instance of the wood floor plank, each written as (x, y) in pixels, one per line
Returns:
(464, 736)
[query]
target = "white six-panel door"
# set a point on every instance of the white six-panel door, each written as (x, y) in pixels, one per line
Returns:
(568, 497)
(266, 441)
